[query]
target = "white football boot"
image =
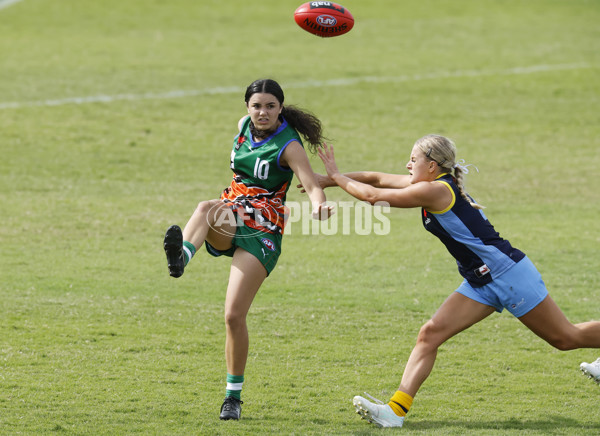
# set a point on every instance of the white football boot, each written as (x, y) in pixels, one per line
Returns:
(380, 414)
(592, 370)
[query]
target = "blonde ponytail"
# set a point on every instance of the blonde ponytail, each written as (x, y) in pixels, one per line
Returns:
(459, 176)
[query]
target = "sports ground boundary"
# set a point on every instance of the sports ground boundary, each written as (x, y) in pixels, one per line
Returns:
(108, 98)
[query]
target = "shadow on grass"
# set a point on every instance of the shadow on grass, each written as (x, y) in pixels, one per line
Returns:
(549, 425)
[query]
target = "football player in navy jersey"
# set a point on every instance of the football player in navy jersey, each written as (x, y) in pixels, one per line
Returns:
(496, 274)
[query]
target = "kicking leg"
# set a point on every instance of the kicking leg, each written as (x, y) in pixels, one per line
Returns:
(210, 221)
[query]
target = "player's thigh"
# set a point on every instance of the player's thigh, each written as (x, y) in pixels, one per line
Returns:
(222, 225)
(245, 278)
(456, 314)
(549, 322)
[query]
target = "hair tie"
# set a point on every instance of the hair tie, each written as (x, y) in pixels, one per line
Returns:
(464, 168)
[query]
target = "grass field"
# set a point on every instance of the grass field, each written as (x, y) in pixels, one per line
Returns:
(116, 118)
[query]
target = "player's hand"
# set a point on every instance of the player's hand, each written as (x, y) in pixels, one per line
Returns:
(328, 158)
(322, 212)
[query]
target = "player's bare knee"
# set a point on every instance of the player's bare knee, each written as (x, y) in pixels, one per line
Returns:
(563, 343)
(234, 319)
(203, 208)
(428, 335)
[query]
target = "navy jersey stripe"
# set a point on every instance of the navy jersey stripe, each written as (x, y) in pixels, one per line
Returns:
(480, 252)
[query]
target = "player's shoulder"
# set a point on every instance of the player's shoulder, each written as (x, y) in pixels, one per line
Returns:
(242, 121)
(446, 181)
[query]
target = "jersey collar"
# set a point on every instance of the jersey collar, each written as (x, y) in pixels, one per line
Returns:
(283, 125)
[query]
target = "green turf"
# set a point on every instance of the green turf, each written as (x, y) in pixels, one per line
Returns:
(95, 338)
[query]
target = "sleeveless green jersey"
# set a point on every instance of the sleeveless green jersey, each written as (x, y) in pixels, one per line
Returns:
(257, 163)
(260, 183)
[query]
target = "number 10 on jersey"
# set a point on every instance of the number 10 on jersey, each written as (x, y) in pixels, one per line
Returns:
(261, 169)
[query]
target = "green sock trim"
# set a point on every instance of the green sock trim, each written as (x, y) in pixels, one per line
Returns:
(235, 378)
(235, 393)
(191, 249)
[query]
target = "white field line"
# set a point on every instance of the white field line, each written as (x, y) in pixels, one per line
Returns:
(296, 85)
(7, 3)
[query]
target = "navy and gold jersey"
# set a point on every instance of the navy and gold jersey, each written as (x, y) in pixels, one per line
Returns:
(480, 252)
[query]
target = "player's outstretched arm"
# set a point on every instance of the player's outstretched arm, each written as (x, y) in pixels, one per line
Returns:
(380, 180)
(295, 157)
(373, 178)
(422, 194)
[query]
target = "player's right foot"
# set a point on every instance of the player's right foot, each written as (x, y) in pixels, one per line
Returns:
(592, 370)
(381, 415)
(231, 409)
(174, 250)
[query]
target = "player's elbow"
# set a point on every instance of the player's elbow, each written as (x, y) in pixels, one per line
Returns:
(371, 198)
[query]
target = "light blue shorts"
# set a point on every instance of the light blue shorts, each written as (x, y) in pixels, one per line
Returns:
(519, 289)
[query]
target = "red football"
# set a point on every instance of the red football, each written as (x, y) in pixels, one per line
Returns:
(324, 19)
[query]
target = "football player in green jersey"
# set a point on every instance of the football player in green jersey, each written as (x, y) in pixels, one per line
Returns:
(247, 222)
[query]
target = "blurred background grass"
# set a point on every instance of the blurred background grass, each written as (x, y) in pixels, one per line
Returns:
(97, 339)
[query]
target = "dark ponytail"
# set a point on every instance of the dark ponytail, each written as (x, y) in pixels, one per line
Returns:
(305, 123)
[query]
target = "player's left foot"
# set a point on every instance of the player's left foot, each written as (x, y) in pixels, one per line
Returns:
(381, 414)
(231, 408)
(173, 245)
(592, 370)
